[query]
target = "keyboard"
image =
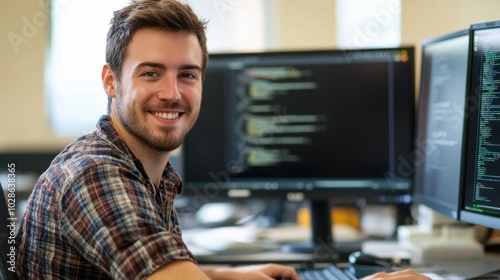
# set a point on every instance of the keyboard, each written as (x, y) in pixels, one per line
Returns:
(331, 272)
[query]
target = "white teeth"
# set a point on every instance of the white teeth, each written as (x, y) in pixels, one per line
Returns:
(167, 116)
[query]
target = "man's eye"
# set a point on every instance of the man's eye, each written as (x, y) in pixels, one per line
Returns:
(150, 74)
(188, 75)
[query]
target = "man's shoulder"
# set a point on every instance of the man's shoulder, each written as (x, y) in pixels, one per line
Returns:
(91, 148)
(87, 155)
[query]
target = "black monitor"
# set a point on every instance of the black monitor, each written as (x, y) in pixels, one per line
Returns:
(440, 123)
(481, 199)
(320, 125)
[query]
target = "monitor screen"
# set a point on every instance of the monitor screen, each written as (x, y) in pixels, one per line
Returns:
(481, 199)
(440, 122)
(322, 123)
(315, 125)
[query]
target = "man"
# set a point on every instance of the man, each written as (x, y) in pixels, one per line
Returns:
(104, 208)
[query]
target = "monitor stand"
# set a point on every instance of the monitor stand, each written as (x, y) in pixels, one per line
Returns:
(322, 244)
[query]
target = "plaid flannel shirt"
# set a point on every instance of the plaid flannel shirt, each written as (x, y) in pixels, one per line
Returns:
(95, 214)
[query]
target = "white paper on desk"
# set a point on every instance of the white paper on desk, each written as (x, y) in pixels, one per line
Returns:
(226, 239)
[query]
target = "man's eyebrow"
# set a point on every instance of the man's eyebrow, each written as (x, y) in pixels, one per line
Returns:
(163, 67)
(190, 67)
(150, 65)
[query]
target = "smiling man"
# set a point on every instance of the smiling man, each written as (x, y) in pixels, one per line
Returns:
(104, 207)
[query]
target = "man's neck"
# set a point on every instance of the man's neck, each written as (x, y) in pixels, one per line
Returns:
(154, 162)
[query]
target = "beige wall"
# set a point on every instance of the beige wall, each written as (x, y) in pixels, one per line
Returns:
(306, 24)
(423, 19)
(23, 120)
(301, 24)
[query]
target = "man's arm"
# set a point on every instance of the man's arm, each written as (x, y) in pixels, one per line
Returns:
(178, 270)
(407, 274)
(252, 272)
(188, 270)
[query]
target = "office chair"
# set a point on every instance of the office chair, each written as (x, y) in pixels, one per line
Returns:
(5, 274)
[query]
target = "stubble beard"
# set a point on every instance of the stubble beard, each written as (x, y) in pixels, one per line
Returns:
(165, 141)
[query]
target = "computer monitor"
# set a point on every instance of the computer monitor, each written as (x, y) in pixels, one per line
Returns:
(481, 198)
(440, 123)
(318, 125)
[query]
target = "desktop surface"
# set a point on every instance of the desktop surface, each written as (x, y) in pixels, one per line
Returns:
(311, 263)
(237, 244)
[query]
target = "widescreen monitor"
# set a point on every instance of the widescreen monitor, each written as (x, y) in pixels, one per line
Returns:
(440, 123)
(319, 125)
(481, 200)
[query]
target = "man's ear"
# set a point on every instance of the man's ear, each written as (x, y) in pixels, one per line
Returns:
(108, 81)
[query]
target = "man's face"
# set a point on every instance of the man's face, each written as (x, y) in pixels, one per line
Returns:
(159, 96)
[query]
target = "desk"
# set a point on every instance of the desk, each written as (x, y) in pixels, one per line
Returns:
(249, 253)
(249, 245)
(457, 269)
(305, 260)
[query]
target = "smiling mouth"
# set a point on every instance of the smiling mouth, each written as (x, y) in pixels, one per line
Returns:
(167, 116)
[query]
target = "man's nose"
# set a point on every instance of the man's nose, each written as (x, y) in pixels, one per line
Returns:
(169, 89)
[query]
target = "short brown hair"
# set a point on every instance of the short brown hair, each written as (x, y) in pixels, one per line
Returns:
(169, 15)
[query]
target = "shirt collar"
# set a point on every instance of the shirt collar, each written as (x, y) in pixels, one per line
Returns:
(170, 178)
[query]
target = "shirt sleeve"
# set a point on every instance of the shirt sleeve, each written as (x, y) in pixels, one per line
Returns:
(111, 215)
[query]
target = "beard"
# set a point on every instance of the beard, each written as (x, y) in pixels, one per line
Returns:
(160, 143)
(165, 139)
